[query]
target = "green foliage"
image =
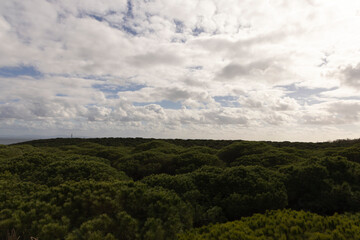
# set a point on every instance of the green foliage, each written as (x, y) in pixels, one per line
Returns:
(158, 157)
(97, 150)
(281, 224)
(134, 188)
(230, 153)
(352, 153)
(160, 146)
(220, 194)
(324, 185)
(270, 159)
(192, 160)
(88, 208)
(145, 163)
(49, 169)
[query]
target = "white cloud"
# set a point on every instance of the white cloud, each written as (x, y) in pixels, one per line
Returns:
(275, 70)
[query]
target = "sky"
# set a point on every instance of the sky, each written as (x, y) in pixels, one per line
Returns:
(274, 70)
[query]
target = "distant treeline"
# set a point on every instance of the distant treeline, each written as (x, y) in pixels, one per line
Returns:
(217, 144)
(135, 188)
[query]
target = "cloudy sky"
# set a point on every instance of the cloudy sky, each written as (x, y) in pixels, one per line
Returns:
(219, 69)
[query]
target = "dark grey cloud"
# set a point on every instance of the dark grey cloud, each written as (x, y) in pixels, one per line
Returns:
(176, 94)
(151, 94)
(195, 82)
(155, 58)
(8, 111)
(253, 103)
(234, 70)
(349, 112)
(336, 113)
(227, 118)
(351, 76)
(275, 118)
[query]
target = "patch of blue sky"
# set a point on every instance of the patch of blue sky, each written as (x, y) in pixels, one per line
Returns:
(112, 96)
(126, 26)
(178, 40)
(310, 101)
(123, 26)
(129, 12)
(22, 70)
(89, 105)
(227, 101)
(96, 77)
(194, 68)
(88, 77)
(197, 31)
(102, 78)
(305, 95)
(129, 30)
(303, 92)
(114, 89)
(167, 104)
(179, 26)
(141, 104)
(97, 18)
(15, 100)
(61, 95)
(61, 17)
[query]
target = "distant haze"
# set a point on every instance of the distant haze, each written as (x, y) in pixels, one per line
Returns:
(5, 141)
(214, 69)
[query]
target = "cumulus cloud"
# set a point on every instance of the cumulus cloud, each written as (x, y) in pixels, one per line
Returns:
(155, 58)
(342, 112)
(234, 70)
(210, 69)
(351, 76)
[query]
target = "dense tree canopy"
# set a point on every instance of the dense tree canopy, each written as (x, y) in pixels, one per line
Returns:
(285, 224)
(116, 188)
